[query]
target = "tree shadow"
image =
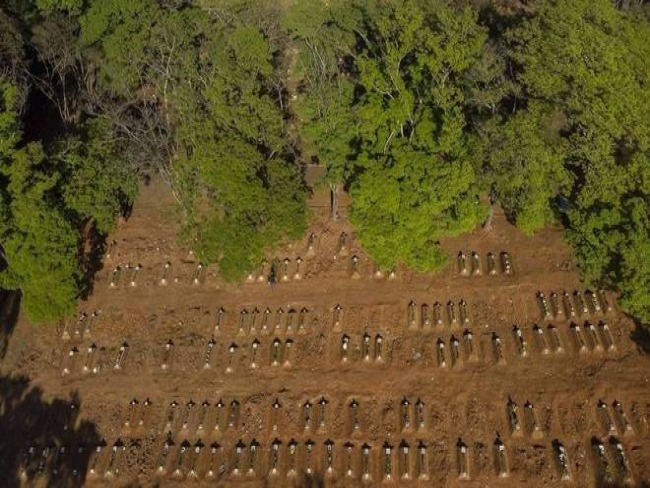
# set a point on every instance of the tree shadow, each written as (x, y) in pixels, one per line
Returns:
(42, 439)
(9, 308)
(641, 336)
(93, 260)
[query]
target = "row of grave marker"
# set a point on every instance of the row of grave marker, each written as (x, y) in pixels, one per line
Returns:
(349, 459)
(454, 316)
(569, 306)
(472, 266)
(590, 338)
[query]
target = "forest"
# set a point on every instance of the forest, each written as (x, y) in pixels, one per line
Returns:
(427, 112)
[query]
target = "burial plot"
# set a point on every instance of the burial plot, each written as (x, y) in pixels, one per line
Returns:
(603, 470)
(298, 274)
(343, 245)
(167, 354)
(461, 263)
(454, 348)
(594, 339)
(232, 352)
(462, 459)
(116, 453)
(309, 456)
(134, 275)
(344, 348)
(555, 339)
(544, 306)
(354, 268)
(288, 352)
(420, 417)
(170, 415)
(506, 264)
(243, 322)
(202, 417)
(238, 458)
(186, 416)
(183, 451)
(275, 414)
(451, 314)
(578, 338)
(556, 306)
(404, 461)
(607, 337)
(476, 264)
(196, 459)
(274, 461)
(500, 458)
(285, 269)
(349, 459)
(441, 353)
(322, 403)
(437, 315)
(462, 311)
(569, 307)
(514, 424)
(497, 348)
(562, 460)
(207, 355)
(520, 340)
(164, 280)
(307, 415)
(365, 347)
(215, 464)
(422, 469)
(532, 421)
(220, 409)
(379, 340)
(220, 320)
(581, 305)
(122, 355)
(491, 264)
(116, 274)
(93, 462)
(405, 414)
(621, 417)
(540, 339)
(622, 462)
(353, 414)
(366, 463)
(233, 414)
(292, 458)
(329, 457)
(387, 451)
(255, 346)
(337, 317)
(311, 245)
(468, 341)
(252, 323)
(70, 361)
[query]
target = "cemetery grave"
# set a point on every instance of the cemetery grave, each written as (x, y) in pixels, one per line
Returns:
(321, 368)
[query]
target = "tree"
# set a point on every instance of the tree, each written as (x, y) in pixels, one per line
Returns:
(413, 181)
(39, 246)
(589, 62)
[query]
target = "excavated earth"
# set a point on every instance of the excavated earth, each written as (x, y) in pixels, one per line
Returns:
(333, 376)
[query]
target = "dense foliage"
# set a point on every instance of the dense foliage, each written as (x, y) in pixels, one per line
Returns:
(417, 108)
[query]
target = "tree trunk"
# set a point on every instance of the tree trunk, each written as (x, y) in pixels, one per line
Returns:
(334, 201)
(487, 225)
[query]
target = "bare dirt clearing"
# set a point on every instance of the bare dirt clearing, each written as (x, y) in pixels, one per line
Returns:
(334, 375)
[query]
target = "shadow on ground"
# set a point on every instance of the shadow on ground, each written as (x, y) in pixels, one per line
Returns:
(42, 439)
(641, 336)
(9, 308)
